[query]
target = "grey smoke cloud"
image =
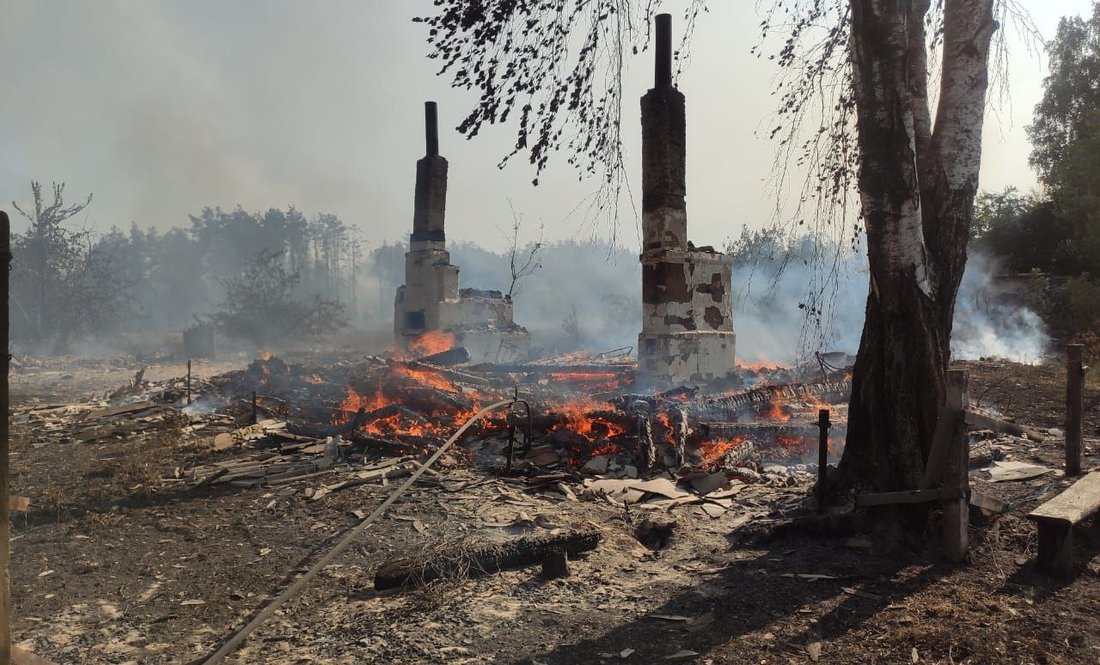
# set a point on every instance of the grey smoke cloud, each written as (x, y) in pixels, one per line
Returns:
(161, 108)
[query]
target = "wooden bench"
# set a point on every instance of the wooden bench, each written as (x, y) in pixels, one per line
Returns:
(1056, 519)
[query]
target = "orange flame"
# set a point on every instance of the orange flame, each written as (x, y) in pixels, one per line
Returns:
(599, 381)
(712, 450)
(431, 342)
(666, 428)
(759, 366)
(776, 411)
(425, 377)
(579, 421)
(266, 355)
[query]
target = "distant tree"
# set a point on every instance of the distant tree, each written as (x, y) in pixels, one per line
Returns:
(522, 262)
(996, 210)
(1074, 184)
(262, 305)
(1027, 234)
(63, 288)
(387, 265)
(1071, 92)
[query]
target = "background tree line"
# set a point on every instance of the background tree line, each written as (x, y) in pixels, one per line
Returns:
(258, 276)
(1054, 233)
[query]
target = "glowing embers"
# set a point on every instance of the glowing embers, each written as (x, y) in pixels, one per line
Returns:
(406, 402)
(403, 400)
(580, 418)
(612, 379)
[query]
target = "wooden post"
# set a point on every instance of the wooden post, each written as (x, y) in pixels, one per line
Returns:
(255, 409)
(956, 512)
(5, 528)
(822, 456)
(188, 381)
(1075, 406)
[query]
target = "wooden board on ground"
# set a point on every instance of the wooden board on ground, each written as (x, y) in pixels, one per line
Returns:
(1074, 505)
(120, 410)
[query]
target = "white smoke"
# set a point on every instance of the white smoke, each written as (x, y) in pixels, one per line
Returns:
(599, 290)
(992, 320)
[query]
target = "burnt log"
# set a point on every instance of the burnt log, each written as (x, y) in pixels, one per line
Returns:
(389, 411)
(762, 432)
(455, 356)
(729, 407)
(985, 421)
(432, 400)
(482, 559)
(408, 445)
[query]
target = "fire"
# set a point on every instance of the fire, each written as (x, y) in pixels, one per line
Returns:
(578, 420)
(789, 446)
(431, 342)
(712, 450)
(600, 381)
(354, 401)
(266, 355)
(836, 446)
(776, 412)
(759, 366)
(666, 428)
(425, 377)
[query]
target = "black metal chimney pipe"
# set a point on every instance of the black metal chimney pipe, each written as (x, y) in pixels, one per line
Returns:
(431, 128)
(663, 76)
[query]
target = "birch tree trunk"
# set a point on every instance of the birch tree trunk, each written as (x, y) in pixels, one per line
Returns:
(917, 183)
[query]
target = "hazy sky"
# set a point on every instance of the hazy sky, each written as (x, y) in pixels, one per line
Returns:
(160, 108)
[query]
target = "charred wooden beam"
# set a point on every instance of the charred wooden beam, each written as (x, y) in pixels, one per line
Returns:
(494, 368)
(389, 411)
(759, 431)
(483, 559)
(455, 356)
(983, 421)
(726, 407)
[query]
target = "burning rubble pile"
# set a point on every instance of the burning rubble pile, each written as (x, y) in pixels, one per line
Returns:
(574, 414)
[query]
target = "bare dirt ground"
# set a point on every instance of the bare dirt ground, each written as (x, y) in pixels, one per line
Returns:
(113, 566)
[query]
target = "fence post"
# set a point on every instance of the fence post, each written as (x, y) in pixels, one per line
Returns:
(1075, 406)
(822, 457)
(5, 518)
(956, 512)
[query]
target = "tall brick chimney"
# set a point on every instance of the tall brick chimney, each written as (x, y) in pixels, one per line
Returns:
(664, 153)
(431, 185)
(687, 309)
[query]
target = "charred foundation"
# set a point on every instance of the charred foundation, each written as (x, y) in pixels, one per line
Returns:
(687, 306)
(430, 301)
